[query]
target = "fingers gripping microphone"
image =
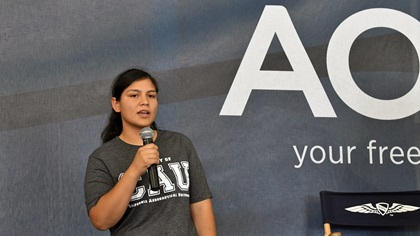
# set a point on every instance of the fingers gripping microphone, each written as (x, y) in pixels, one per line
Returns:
(147, 136)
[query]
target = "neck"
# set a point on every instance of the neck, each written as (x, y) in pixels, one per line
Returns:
(133, 137)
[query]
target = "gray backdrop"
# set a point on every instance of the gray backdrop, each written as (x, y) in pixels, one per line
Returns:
(58, 59)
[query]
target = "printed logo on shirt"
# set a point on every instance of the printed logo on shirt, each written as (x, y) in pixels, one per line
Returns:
(173, 179)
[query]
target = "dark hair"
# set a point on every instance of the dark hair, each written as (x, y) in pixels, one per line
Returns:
(121, 82)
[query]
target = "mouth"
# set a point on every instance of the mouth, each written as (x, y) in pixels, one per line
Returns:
(143, 112)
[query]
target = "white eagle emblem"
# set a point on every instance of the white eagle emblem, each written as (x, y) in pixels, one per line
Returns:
(382, 208)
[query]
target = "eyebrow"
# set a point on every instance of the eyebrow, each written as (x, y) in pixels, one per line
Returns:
(138, 90)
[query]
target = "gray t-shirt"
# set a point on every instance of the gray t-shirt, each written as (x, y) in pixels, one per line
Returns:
(163, 212)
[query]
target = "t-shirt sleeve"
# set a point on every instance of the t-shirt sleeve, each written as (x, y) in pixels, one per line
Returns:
(98, 181)
(199, 189)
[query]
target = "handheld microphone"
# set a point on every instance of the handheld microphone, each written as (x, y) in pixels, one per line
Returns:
(147, 136)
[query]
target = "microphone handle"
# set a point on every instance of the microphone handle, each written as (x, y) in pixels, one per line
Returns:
(153, 177)
(153, 173)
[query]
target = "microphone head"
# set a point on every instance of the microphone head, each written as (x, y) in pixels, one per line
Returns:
(146, 133)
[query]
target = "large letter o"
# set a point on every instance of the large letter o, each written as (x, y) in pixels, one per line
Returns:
(339, 70)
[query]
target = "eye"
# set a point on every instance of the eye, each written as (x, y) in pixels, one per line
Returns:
(152, 95)
(134, 95)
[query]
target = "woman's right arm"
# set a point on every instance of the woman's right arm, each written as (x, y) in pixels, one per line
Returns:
(112, 205)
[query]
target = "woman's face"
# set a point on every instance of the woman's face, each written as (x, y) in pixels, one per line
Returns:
(138, 105)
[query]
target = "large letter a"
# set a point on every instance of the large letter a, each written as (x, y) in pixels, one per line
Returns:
(276, 20)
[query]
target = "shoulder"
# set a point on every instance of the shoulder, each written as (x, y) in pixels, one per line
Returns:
(173, 139)
(107, 148)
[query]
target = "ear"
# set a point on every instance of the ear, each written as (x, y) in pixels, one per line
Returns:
(115, 105)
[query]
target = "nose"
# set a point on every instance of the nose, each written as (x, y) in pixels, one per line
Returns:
(144, 100)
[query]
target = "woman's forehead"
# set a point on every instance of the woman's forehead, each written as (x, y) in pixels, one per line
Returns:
(142, 85)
